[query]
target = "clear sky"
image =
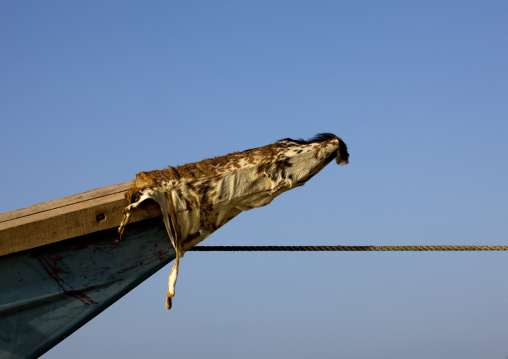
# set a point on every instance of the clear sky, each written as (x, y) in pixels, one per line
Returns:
(93, 92)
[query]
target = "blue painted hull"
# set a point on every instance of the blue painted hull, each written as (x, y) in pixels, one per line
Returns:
(49, 292)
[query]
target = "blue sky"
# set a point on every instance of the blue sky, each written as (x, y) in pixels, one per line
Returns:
(92, 93)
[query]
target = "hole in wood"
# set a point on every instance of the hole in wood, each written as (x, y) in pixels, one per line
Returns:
(100, 217)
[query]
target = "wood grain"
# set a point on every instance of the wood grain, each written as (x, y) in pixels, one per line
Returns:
(68, 217)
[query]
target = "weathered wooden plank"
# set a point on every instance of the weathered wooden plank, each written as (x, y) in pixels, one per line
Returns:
(60, 202)
(68, 217)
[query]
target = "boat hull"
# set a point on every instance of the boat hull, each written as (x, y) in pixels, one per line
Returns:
(49, 292)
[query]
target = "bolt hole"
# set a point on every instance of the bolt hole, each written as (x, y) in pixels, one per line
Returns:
(100, 217)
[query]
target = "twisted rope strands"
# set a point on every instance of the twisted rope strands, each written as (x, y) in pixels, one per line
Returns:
(347, 248)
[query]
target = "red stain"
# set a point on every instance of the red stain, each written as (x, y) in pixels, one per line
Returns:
(160, 255)
(55, 273)
(129, 268)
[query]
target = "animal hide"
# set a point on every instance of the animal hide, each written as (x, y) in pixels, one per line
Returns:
(198, 198)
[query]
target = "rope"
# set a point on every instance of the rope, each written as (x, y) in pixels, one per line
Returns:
(346, 248)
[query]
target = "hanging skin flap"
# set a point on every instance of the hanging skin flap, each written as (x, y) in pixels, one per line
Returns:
(198, 198)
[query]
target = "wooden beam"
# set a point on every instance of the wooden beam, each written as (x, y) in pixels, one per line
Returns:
(68, 217)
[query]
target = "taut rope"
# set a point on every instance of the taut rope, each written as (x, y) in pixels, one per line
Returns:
(346, 248)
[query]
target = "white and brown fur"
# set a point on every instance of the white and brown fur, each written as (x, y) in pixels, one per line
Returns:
(198, 198)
